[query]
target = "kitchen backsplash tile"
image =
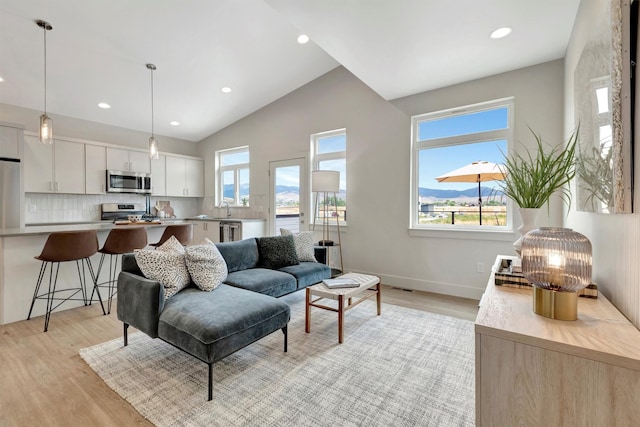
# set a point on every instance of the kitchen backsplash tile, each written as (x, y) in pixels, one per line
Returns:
(47, 208)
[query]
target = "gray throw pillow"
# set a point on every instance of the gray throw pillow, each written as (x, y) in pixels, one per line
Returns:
(303, 242)
(277, 252)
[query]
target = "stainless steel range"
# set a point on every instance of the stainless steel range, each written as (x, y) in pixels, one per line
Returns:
(120, 211)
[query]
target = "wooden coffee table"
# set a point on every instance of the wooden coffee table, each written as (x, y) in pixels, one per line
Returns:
(369, 286)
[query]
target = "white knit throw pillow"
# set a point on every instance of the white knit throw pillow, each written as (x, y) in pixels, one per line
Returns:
(206, 265)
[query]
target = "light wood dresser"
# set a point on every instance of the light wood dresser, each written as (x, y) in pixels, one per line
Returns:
(535, 371)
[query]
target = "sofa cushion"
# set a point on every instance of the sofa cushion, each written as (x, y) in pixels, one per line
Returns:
(206, 266)
(265, 281)
(239, 255)
(308, 273)
(212, 325)
(303, 242)
(166, 265)
(277, 251)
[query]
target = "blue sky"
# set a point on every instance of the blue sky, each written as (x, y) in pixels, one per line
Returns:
(439, 161)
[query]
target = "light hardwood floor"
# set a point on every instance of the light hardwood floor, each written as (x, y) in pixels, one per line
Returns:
(43, 380)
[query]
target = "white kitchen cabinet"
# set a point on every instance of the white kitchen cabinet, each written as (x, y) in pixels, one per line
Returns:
(158, 176)
(56, 168)
(194, 180)
(127, 160)
(185, 177)
(95, 169)
(10, 142)
(208, 229)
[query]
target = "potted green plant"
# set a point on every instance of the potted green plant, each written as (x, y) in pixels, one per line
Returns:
(531, 179)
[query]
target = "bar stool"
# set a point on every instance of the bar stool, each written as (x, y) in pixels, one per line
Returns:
(60, 247)
(182, 232)
(120, 241)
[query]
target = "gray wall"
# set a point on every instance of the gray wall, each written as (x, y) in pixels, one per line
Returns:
(378, 158)
(615, 238)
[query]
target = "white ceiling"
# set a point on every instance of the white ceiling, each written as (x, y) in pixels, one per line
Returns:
(98, 49)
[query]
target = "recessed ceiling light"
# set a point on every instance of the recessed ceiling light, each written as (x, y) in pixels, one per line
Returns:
(174, 123)
(226, 89)
(501, 32)
(1, 79)
(303, 38)
(104, 105)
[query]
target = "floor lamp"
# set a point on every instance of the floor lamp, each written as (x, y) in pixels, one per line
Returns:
(325, 182)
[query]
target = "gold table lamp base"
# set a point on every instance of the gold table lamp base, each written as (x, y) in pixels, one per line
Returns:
(555, 304)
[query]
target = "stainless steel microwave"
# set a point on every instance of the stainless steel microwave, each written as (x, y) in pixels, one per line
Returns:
(128, 182)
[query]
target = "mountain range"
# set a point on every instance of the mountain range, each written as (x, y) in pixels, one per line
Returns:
(453, 194)
(291, 191)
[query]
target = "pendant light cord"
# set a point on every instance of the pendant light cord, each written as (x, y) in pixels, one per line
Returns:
(44, 28)
(152, 133)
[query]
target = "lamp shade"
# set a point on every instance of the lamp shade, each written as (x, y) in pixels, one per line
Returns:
(557, 259)
(325, 181)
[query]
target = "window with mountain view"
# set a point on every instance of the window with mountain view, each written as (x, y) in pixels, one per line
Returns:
(329, 152)
(456, 157)
(233, 176)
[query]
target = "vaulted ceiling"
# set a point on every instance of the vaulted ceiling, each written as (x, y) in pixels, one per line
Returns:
(98, 49)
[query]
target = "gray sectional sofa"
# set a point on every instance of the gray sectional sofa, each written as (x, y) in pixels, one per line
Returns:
(246, 270)
(213, 325)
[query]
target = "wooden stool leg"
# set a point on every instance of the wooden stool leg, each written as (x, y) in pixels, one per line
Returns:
(379, 297)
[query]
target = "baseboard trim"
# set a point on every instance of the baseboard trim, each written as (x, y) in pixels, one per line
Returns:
(411, 283)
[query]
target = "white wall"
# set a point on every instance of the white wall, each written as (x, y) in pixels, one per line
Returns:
(615, 238)
(41, 208)
(378, 155)
(93, 131)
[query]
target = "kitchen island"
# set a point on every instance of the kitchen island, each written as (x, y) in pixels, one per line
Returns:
(19, 270)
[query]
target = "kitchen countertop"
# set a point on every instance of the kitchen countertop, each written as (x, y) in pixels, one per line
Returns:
(227, 219)
(35, 229)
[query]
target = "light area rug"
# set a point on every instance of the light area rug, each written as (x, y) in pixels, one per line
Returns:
(403, 368)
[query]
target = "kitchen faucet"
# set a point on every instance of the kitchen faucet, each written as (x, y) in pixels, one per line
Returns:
(226, 203)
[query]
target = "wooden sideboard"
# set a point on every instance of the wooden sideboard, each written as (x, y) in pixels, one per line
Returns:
(535, 371)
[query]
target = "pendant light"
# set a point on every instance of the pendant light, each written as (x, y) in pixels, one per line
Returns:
(153, 144)
(46, 124)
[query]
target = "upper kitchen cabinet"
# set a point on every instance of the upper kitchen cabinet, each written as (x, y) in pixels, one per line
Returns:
(55, 168)
(185, 177)
(128, 160)
(158, 176)
(10, 142)
(95, 169)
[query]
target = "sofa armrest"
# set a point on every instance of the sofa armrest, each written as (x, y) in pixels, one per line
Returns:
(140, 302)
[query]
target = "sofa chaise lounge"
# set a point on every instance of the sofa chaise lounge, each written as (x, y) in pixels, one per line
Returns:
(213, 325)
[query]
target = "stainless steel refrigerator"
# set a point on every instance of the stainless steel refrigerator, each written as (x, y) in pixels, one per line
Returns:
(10, 193)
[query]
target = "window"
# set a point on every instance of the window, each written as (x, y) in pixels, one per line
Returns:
(233, 176)
(445, 141)
(329, 152)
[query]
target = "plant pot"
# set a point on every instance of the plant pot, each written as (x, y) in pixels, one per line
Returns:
(529, 217)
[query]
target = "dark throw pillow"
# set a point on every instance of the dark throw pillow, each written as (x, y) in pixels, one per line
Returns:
(277, 252)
